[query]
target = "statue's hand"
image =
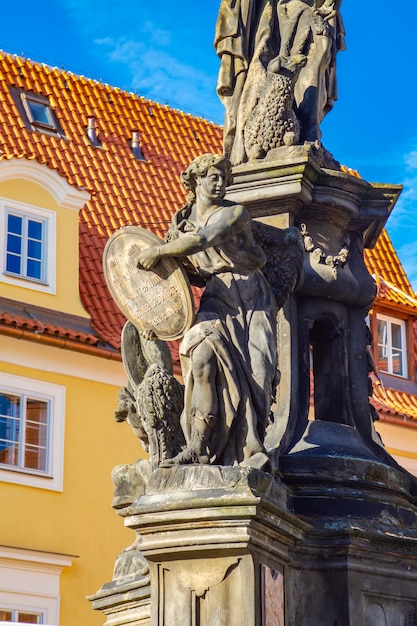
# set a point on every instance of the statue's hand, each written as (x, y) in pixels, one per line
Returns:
(327, 9)
(148, 257)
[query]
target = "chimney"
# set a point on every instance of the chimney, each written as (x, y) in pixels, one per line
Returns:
(135, 144)
(92, 131)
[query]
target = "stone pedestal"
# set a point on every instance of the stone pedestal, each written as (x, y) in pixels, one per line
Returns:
(217, 540)
(225, 550)
(329, 538)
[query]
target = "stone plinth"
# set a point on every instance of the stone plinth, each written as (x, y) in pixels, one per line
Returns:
(217, 540)
(225, 549)
(124, 602)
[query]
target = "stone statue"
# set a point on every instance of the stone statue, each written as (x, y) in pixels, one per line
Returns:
(257, 42)
(229, 355)
(153, 401)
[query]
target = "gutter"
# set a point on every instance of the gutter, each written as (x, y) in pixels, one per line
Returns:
(58, 342)
(396, 420)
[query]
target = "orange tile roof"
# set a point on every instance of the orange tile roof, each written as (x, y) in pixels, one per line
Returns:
(397, 405)
(392, 281)
(123, 190)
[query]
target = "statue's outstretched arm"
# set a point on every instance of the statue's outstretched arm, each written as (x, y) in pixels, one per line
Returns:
(232, 219)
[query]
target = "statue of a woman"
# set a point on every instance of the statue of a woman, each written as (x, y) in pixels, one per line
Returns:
(228, 356)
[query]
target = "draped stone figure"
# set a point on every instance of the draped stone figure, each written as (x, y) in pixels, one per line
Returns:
(291, 42)
(228, 357)
(228, 352)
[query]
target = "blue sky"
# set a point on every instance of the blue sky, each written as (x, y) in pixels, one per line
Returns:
(163, 50)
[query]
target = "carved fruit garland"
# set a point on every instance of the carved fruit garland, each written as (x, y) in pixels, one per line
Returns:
(334, 261)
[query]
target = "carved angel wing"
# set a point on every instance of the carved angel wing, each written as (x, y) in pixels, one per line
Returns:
(284, 249)
(139, 353)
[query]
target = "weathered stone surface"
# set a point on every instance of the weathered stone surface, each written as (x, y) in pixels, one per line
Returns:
(125, 603)
(210, 539)
(207, 485)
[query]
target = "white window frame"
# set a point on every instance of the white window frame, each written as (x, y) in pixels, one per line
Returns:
(15, 610)
(55, 396)
(48, 282)
(404, 348)
(30, 581)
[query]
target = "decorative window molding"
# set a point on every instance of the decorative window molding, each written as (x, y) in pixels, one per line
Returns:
(392, 345)
(28, 246)
(32, 417)
(30, 582)
(57, 186)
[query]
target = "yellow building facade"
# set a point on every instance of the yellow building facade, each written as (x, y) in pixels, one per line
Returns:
(59, 535)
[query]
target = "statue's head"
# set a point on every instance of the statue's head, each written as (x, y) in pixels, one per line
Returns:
(199, 168)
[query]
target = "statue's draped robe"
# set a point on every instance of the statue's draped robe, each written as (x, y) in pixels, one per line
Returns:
(237, 317)
(248, 37)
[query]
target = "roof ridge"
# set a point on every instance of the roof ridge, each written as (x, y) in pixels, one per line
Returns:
(124, 90)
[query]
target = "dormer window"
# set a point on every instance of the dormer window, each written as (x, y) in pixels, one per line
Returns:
(392, 346)
(39, 112)
(36, 111)
(28, 246)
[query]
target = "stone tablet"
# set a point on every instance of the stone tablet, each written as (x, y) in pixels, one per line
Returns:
(159, 299)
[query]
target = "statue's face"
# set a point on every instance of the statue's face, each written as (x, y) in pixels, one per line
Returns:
(213, 184)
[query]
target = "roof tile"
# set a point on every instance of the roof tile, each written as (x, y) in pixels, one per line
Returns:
(125, 190)
(394, 403)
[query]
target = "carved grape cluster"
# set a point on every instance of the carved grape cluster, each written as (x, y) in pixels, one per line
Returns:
(272, 123)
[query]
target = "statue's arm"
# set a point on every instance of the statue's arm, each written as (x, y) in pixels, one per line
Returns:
(231, 219)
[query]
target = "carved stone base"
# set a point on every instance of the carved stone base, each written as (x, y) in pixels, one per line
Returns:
(225, 550)
(217, 540)
(125, 603)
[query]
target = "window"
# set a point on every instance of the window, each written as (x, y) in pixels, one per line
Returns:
(36, 111)
(21, 617)
(392, 351)
(30, 585)
(28, 247)
(31, 432)
(24, 425)
(25, 246)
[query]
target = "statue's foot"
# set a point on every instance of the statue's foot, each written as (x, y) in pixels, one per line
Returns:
(259, 460)
(186, 457)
